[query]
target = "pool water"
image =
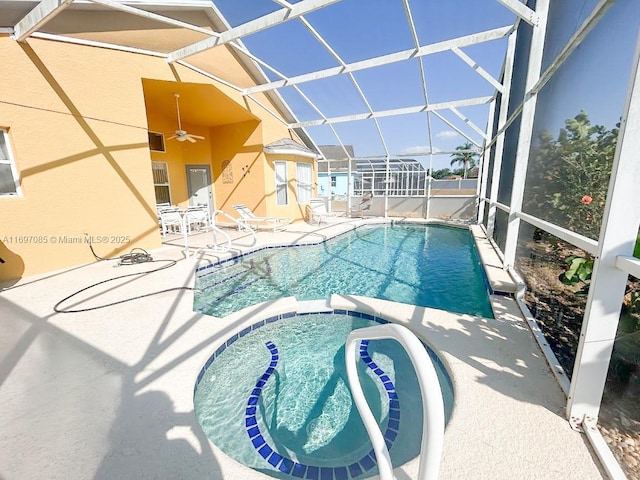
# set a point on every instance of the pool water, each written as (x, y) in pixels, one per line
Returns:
(277, 398)
(425, 265)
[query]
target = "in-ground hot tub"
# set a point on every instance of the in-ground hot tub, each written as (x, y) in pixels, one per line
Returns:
(276, 398)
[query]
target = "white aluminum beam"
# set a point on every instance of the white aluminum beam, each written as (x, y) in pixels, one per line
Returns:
(526, 131)
(603, 451)
(467, 40)
(507, 78)
(456, 129)
(93, 43)
(482, 187)
(269, 20)
(240, 48)
(516, 113)
(631, 265)
(468, 121)
(153, 16)
(423, 78)
(573, 43)
(337, 57)
(333, 130)
(275, 115)
(501, 206)
(477, 68)
(282, 3)
(584, 243)
(396, 111)
(36, 18)
(412, 155)
(608, 282)
(522, 11)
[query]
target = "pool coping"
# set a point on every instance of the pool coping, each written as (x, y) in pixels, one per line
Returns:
(137, 362)
(501, 281)
(270, 454)
(421, 320)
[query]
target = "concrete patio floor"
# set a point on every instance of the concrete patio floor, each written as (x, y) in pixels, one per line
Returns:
(108, 393)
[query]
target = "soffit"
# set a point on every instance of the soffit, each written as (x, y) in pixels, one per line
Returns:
(200, 104)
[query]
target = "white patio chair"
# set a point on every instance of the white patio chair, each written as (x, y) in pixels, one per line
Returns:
(197, 219)
(170, 221)
(161, 207)
(364, 206)
(317, 211)
(250, 220)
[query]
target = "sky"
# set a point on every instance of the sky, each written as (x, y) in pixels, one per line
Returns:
(360, 29)
(596, 76)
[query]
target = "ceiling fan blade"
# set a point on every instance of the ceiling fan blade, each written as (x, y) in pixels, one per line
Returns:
(190, 138)
(172, 137)
(197, 136)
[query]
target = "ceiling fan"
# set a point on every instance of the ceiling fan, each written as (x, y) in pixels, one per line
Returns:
(180, 134)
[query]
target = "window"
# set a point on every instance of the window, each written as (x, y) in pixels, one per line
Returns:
(161, 182)
(8, 174)
(333, 180)
(156, 142)
(304, 182)
(281, 183)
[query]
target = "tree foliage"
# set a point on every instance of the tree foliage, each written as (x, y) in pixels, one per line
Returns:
(442, 173)
(568, 176)
(464, 158)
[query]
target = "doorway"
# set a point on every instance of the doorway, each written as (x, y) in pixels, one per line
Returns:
(199, 186)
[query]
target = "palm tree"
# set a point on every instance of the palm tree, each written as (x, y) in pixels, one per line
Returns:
(466, 158)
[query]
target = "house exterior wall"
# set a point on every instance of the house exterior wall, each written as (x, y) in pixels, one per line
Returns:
(241, 145)
(292, 209)
(77, 124)
(324, 184)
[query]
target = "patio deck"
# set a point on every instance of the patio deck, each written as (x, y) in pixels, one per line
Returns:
(108, 393)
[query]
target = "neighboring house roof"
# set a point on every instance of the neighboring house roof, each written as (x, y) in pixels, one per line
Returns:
(337, 158)
(336, 152)
(336, 166)
(286, 146)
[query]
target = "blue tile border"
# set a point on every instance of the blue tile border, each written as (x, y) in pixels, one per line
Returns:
(295, 469)
(261, 323)
(284, 464)
(234, 259)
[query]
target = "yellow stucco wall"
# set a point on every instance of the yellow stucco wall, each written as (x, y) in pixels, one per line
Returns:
(77, 123)
(179, 154)
(80, 144)
(240, 144)
(293, 209)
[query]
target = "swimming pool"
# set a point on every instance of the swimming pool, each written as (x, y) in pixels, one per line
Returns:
(276, 398)
(425, 265)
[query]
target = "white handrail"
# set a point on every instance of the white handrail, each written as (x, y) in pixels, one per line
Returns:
(240, 224)
(432, 404)
(215, 230)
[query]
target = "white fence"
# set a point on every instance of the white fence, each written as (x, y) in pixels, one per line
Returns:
(439, 207)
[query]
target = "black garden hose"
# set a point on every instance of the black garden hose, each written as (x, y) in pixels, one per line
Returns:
(135, 257)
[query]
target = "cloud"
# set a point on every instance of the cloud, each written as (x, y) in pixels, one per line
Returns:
(447, 134)
(416, 149)
(420, 150)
